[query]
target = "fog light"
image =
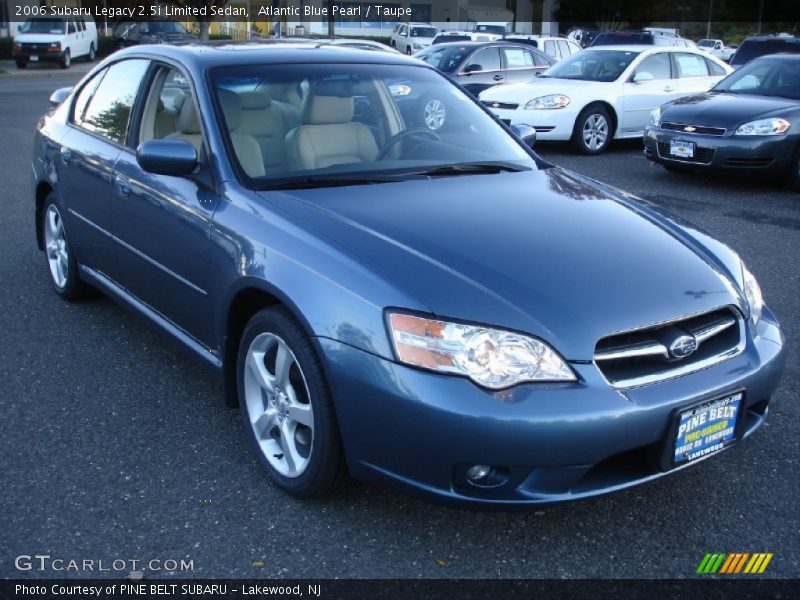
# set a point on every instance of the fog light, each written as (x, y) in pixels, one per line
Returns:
(478, 472)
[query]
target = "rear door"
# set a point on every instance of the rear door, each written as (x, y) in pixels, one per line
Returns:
(651, 85)
(521, 64)
(693, 74)
(97, 133)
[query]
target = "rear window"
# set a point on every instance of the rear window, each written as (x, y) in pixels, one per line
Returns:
(751, 49)
(621, 38)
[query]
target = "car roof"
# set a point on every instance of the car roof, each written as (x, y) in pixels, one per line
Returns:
(646, 48)
(203, 55)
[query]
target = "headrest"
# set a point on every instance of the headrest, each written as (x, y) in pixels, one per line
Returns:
(329, 109)
(255, 100)
(188, 122)
(231, 108)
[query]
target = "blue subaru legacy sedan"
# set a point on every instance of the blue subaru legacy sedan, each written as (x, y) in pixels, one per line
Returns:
(439, 311)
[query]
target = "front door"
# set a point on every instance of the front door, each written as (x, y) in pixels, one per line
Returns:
(650, 86)
(163, 222)
(482, 70)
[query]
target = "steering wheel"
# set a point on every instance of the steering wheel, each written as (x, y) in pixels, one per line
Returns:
(397, 137)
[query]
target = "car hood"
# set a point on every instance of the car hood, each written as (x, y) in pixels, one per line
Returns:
(542, 252)
(715, 109)
(535, 87)
(38, 38)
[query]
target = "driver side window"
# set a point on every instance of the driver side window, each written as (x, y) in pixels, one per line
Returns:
(487, 59)
(656, 65)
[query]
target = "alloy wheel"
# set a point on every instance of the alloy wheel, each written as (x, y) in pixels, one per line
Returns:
(55, 241)
(595, 131)
(434, 114)
(279, 405)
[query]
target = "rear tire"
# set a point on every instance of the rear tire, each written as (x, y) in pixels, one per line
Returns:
(593, 130)
(21, 63)
(59, 254)
(92, 54)
(288, 413)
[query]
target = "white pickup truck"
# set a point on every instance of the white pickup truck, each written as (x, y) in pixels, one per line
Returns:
(717, 48)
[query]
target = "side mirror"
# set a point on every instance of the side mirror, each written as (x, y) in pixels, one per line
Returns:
(167, 157)
(643, 76)
(473, 68)
(59, 96)
(526, 133)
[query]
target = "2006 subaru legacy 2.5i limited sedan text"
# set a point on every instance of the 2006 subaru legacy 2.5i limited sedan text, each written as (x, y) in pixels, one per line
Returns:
(442, 311)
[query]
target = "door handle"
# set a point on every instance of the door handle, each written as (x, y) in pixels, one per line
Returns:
(123, 186)
(498, 77)
(66, 155)
(669, 88)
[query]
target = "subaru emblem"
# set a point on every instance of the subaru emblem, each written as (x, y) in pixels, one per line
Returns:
(682, 346)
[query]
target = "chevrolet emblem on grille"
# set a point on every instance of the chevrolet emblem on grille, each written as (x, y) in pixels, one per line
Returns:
(683, 346)
(690, 128)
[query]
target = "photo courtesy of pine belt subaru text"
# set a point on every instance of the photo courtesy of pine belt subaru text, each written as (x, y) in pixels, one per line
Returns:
(442, 312)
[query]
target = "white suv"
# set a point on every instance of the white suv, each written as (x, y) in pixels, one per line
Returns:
(412, 37)
(55, 39)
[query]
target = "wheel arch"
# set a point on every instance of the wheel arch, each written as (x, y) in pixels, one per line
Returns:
(612, 112)
(251, 296)
(43, 189)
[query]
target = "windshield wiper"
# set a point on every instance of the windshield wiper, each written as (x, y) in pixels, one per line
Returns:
(320, 182)
(477, 168)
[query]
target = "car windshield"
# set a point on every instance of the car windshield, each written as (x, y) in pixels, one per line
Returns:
(329, 124)
(706, 43)
(593, 65)
(423, 32)
(764, 77)
(447, 59)
(43, 26)
(498, 29)
(165, 27)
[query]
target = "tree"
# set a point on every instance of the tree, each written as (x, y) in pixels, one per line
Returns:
(203, 22)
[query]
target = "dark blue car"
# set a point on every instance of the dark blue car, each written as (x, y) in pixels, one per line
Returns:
(442, 312)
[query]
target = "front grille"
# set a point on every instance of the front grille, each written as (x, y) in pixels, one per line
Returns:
(34, 47)
(503, 105)
(702, 156)
(651, 354)
(696, 129)
(748, 162)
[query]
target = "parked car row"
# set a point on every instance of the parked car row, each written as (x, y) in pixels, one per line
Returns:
(434, 309)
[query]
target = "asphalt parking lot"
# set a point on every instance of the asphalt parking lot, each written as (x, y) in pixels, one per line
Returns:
(117, 445)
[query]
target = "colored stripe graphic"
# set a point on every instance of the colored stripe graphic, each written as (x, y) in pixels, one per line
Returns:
(734, 562)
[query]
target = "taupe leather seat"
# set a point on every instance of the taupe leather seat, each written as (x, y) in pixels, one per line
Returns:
(245, 146)
(328, 136)
(268, 122)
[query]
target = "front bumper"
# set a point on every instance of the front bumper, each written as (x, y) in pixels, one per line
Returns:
(757, 154)
(36, 56)
(419, 431)
(550, 125)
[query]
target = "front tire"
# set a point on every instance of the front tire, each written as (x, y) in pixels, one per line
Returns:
(61, 264)
(21, 63)
(287, 407)
(593, 131)
(66, 60)
(793, 180)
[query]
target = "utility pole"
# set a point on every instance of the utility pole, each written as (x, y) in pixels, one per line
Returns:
(708, 25)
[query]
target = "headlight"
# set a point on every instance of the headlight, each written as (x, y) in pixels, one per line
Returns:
(764, 127)
(752, 291)
(55, 44)
(492, 358)
(17, 46)
(547, 102)
(655, 117)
